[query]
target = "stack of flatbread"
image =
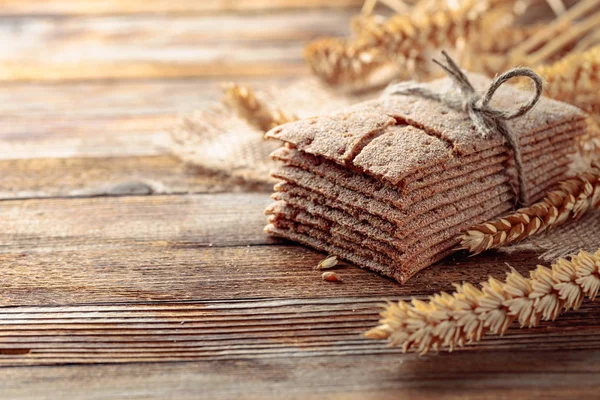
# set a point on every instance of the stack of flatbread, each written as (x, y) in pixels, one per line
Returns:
(388, 184)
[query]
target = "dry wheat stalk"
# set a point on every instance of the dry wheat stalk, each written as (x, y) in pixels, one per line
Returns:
(412, 7)
(587, 42)
(244, 101)
(398, 6)
(557, 6)
(575, 79)
(552, 40)
(406, 41)
(574, 198)
(400, 39)
(589, 144)
(485, 35)
(451, 320)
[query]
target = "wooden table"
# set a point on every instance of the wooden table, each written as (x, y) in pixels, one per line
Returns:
(124, 274)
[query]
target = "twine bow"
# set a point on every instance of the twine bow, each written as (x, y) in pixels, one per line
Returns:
(487, 119)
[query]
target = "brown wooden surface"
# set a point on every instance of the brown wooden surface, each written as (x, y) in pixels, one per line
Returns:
(124, 274)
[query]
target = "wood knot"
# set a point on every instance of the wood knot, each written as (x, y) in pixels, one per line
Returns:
(130, 188)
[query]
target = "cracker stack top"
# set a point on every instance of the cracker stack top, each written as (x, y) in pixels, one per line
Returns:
(389, 183)
(392, 137)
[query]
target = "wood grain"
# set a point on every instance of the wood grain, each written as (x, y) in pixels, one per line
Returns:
(106, 138)
(110, 176)
(236, 330)
(102, 120)
(80, 102)
(89, 273)
(210, 247)
(159, 46)
(111, 7)
(551, 374)
(181, 278)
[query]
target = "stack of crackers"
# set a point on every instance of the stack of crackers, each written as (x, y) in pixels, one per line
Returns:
(388, 184)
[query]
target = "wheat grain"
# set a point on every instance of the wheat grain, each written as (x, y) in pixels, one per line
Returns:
(452, 320)
(574, 198)
(331, 277)
(329, 262)
(244, 101)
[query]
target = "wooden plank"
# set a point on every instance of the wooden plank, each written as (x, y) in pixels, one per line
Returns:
(208, 247)
(36, 271)
(463, 375)
(146, 285)
(103, 138)
(75, 143)
(223, 220)
(95, 99)
(24, 70)
(97, 136)
(22, 103)
(110, 176)
(102, 119)
(112, 7)
(175, 278)
(161, 46)
(52, 247)
(107, 119)
(236, 330)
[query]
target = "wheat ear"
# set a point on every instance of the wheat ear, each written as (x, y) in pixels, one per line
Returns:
(244, 101)
(399, 40)
(574, 198)
(405, 41)
(451, 320)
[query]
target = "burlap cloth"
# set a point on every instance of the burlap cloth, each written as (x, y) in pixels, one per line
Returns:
(218, 142)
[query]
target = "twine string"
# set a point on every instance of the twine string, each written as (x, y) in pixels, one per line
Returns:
(487, 119)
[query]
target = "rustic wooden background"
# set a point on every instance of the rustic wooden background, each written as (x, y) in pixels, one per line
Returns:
(124, 274)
